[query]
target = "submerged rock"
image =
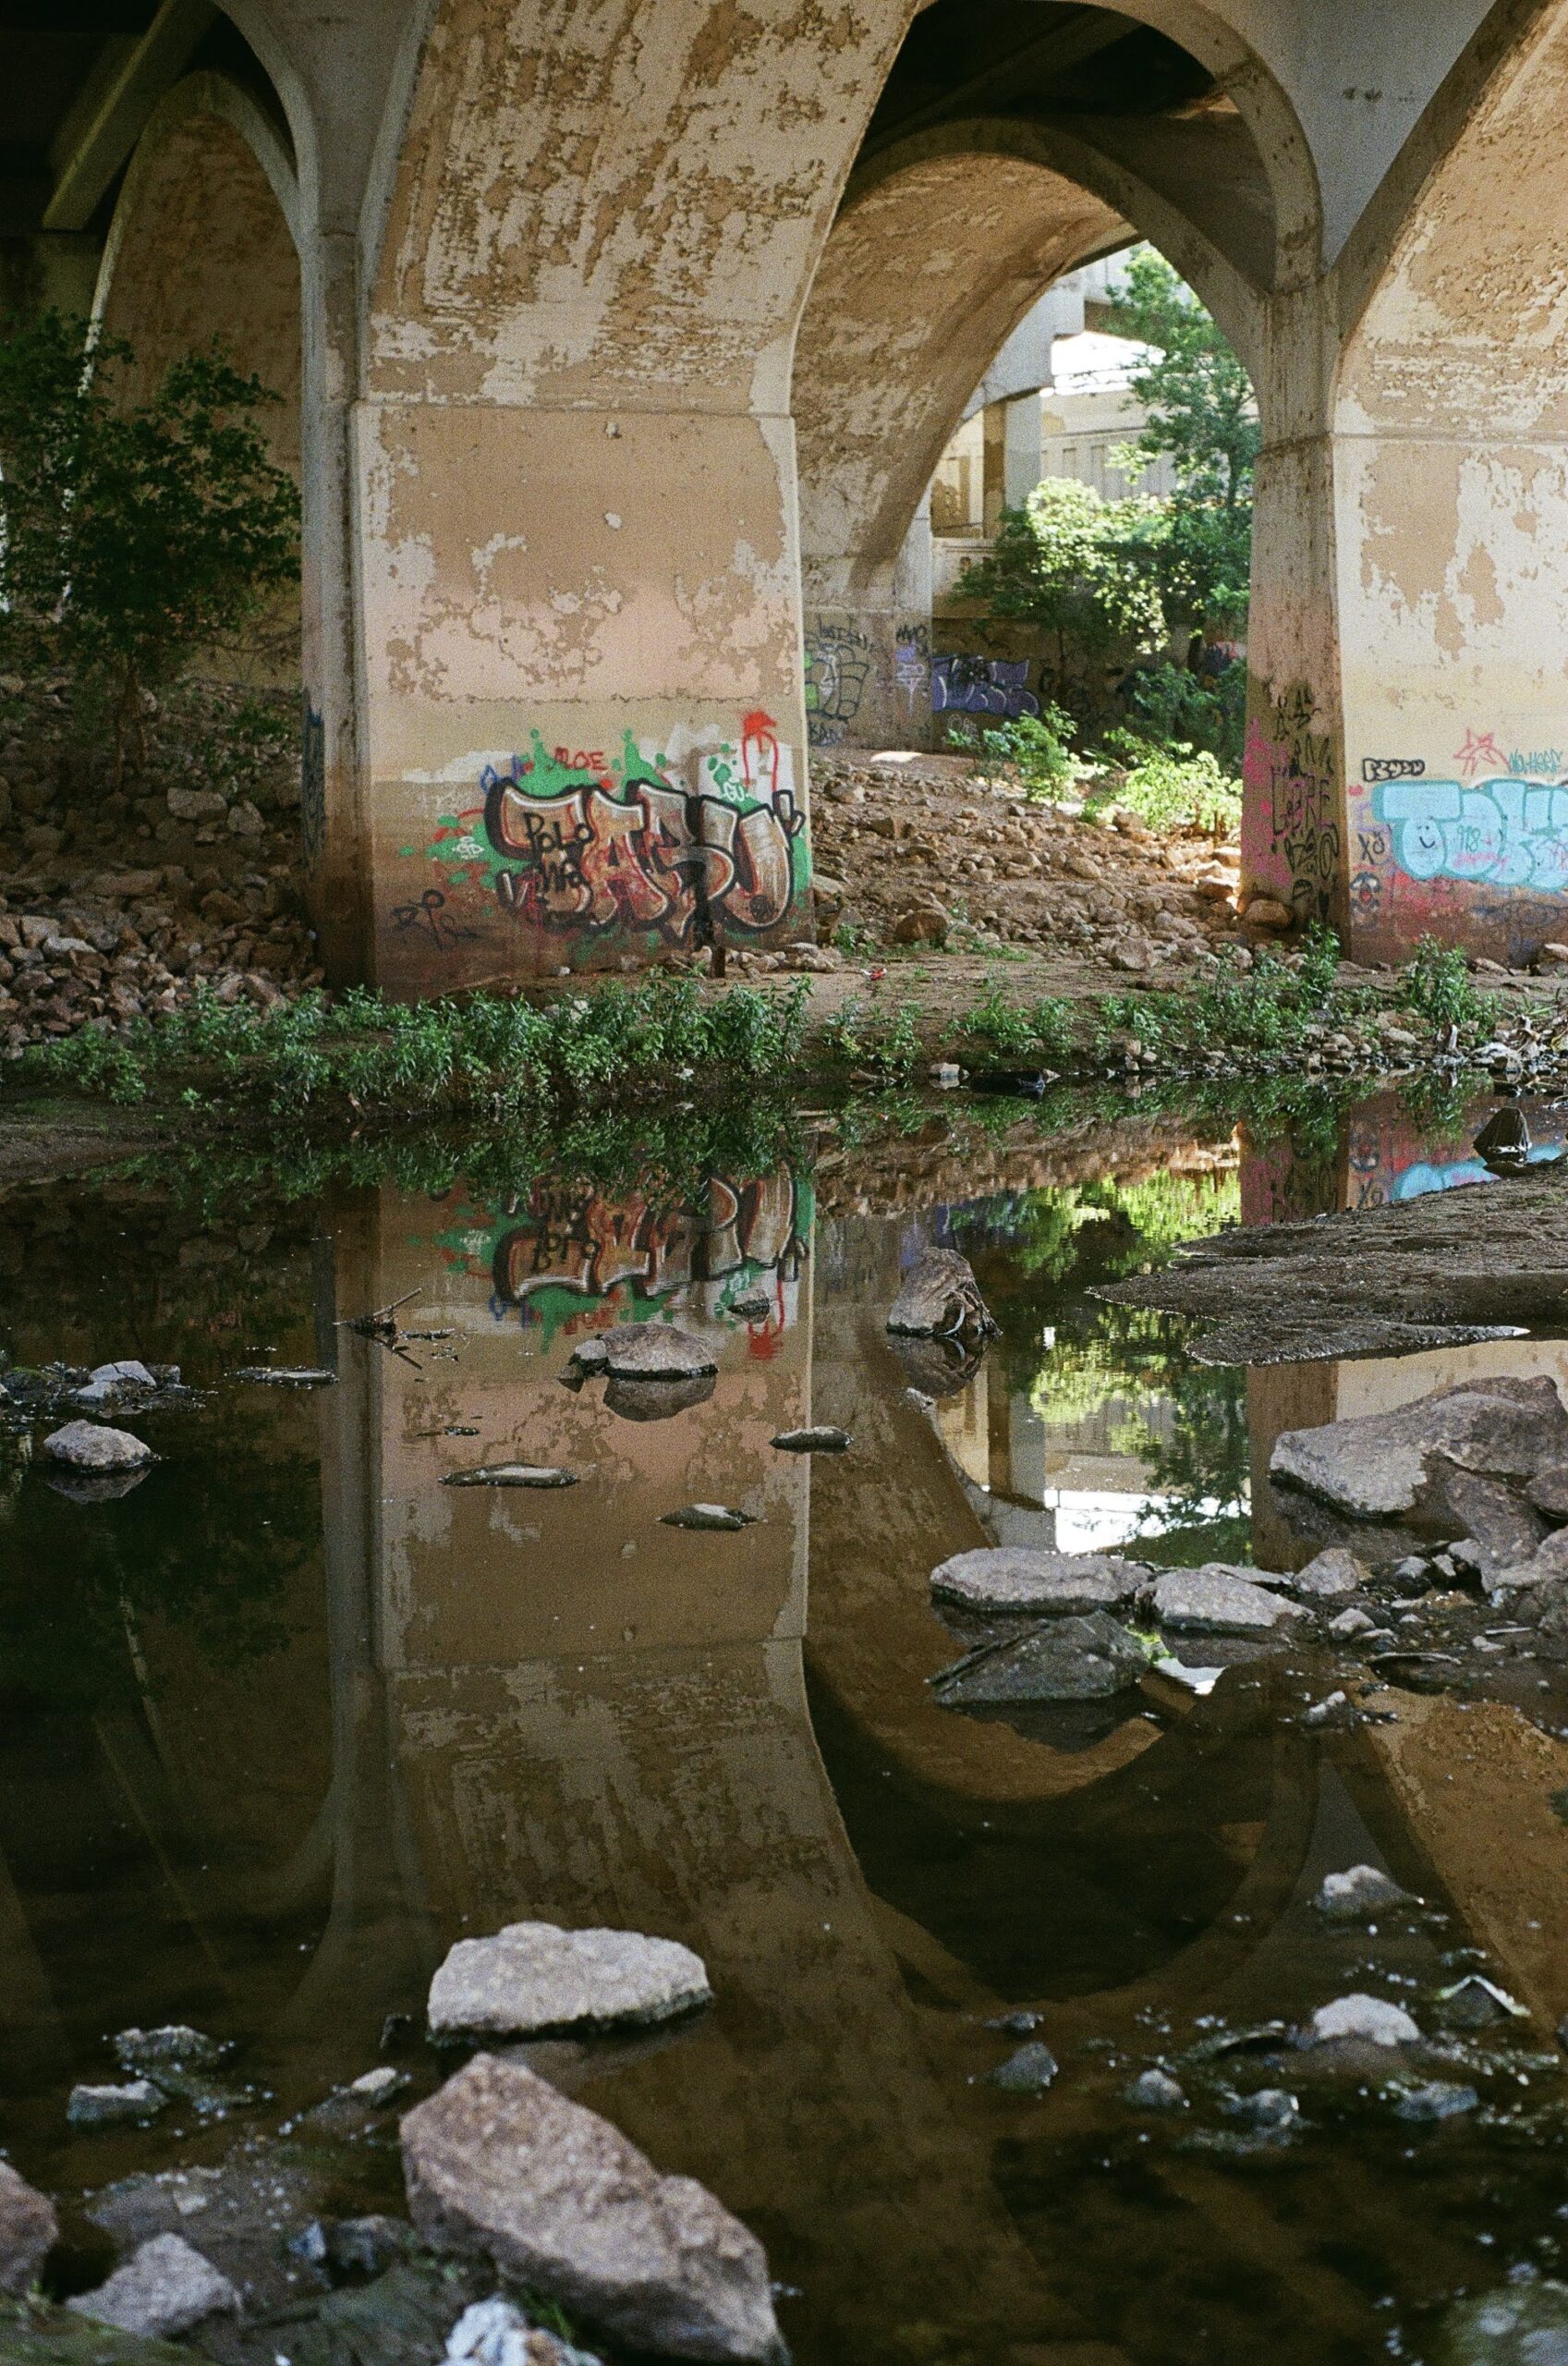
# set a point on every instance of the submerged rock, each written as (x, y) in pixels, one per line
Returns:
(1476, 2004)
(656, 1351)
(1217, 1600)
(175, 2047)
(29, 2229)
(90, 1446)
(1370, 2020)
(1376, 1464)
(511, 1474)
(1270, 2111)
(1157, 2091)
(1012, 1578)
(1070, 1659)
(532, 1976)
(107, 1383)
(1439, 2099)
(940, 1299)
(110, 2107)
(1329, 1575)
(712, 1516)
(1346, 1897)
(1520, 2323)
(656, 1400)
(497, 2162)
(164, 2288)
(937, 1368)
(822, 1440)
(1029, 2071)
(286, 1377)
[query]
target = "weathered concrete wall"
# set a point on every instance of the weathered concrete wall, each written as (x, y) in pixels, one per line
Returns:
(1451, 504)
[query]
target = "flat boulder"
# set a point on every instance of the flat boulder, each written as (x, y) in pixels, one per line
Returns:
(90, 1446)
(1367, 2020)
(1351, 1896)
(164, 2288)
(1375, 1465)
(1009, 1578)
(941, 1299)
(1069, 1659)
(655, 1351)
(501, 2163)
(533, 1976)
(1218, 1600)
(1328, 1577)
(27, 2231)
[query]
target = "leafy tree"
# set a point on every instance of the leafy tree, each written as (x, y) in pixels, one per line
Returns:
(1077, 565)
(1202, 415)
(132, 532)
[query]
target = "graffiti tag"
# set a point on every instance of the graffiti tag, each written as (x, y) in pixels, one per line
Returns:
(1288, 770)
(1392, 767)
(1510, 833)
(838, 661)
(429, 914)
(982, 685)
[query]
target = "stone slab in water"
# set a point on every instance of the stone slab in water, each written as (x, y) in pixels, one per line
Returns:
(164, 2288)
(655, 1351)
(1068, 1659)
(533, 1976)
(499, 2162)
(1007, 1577)
(1375, 1465)
(1217, 1600)
(90, 1445)
(511, 1474)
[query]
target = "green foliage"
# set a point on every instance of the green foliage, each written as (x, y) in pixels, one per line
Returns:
(135, 532)
(1042, 1030)
(1078, 565)
(1169, 703)
(1039, 746)
(1202, 415)
(869, 1037)
(1171, 789)
(1437, 986)
(507, 1059)
(1264, 1010)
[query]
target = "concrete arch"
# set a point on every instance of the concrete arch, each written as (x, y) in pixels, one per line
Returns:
(1449, 419)
(205, 243)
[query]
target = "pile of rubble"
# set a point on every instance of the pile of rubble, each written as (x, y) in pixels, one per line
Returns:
(924, 850)
(115, 904)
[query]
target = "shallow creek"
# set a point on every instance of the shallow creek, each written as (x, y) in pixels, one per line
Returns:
(290, 1716)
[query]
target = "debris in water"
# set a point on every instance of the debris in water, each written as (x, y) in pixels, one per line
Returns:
(824, 1440)
(714, 1516)
(286, 1377)
(511, 1474)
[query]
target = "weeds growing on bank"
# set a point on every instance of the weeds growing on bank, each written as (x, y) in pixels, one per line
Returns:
(486, 1055)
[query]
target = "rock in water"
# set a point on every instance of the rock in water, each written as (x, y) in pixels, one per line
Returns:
(1016, 1577)
(657, 1400)
(499, 2162)
(164, 2288)
(286, 1377)
(88, 1446)
(1329, 1575)
(511, 1474)
(1374, 1465)
(107, 1382)
(115, 2106)
(1029, 2071)
(175, 2047)
(1156, 2091)
(655, 1351)
(28, 2229)
(710, 1516)
(941, 1299)
(1346, 1897)
(1372, 2019)
(533, 1976)
(1071, 1659)
(822, 1440)
(1219, 1601)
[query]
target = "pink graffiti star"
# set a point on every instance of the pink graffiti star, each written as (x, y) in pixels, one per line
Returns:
(1478, 751)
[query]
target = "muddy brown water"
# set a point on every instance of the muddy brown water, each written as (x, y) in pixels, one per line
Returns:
(284, 1721)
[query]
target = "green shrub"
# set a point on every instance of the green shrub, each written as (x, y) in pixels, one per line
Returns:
(1170, 790)
(1437, 986)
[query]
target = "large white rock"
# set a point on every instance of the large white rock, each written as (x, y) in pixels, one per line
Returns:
(88, 1446)
(533, 1976)
(1217, 1600)
(1016, 1577)
(1371, 2019)
(28, 2228)
(163, 2289)
(499, 2162)
(1376, 1464)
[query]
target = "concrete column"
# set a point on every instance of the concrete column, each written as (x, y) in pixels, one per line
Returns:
(869, 650)
(1021, 447)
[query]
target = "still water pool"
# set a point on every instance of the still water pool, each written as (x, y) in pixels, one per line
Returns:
(289, 1717)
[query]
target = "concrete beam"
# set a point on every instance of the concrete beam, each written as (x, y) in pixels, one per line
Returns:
(95, 143)
(1085, 34)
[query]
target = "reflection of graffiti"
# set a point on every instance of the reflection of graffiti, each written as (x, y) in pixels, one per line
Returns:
(1512, 833)
(912, 663)
(577, 1240)
(982, 685)
(1288, 776)
(838, 660)
(1392, 767)
(313, 782)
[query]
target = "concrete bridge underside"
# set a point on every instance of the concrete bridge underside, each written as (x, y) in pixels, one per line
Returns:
(620, 344)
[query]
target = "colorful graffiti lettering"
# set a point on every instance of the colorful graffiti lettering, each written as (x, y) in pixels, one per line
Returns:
(570, 1258)
(1510, 833)
(568, 842)
(1392, 767)
(912, 663)
(1479, 749)
(982, 685)
(1288, 771)
(838, 663)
